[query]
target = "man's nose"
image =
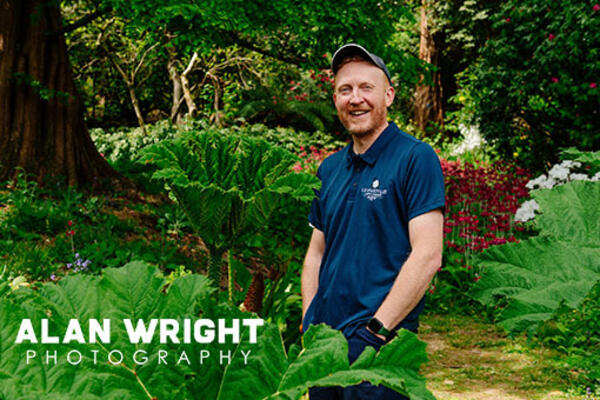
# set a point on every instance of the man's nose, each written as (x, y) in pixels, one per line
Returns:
(356, 97)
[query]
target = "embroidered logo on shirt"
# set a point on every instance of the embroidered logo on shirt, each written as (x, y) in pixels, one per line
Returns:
(373, 193)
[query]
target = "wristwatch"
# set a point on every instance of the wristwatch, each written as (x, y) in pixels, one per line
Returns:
(376, 326)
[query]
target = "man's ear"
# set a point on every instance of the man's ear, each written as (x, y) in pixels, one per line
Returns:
(390, 93)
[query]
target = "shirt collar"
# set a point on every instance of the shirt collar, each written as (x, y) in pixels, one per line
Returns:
(373, 152)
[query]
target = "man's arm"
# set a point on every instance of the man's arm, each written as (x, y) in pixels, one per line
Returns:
(426, 240)
(310, 270)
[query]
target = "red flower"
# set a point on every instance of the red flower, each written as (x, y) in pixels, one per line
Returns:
(593, 85)
(507, 19)
(554, 79)
(70, 223)
(596, 7)
(551, 37)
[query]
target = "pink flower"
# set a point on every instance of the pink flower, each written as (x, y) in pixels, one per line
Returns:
(297, 167)
(554, 79)
(596, 7)
(551, 37)
(593, 85)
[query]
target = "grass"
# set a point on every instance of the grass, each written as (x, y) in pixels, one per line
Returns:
(473, 360)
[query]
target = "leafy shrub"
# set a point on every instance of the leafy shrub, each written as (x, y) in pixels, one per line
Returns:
(590, 159)
(141, 291)
(122, 147)
(576, 333)
(536, 84)
(293, 140)
(44, 230)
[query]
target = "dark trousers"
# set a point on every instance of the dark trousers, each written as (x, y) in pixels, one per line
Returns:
(364, 391)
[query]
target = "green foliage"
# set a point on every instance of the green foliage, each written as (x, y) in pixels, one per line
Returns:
(44, 92)
(590, 159)
(576, 333)
(290, 139)
(560, 265)
(122, 147)
(140, 291)
(274, 110)
(45, 229)
(305, 103)
(536, 83)
(269, 37)
(260, 25)
(229, 186)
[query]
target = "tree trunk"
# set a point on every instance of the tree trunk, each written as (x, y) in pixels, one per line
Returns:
(177, 95)
(428, 98)
(42, 128)
(130, 84)
(136, 106)
(185, 85)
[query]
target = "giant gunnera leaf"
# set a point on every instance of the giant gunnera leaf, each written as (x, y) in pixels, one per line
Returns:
(235, 369)
(229, 186)
(561, 264)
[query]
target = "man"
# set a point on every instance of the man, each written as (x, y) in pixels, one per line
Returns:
(377, 222)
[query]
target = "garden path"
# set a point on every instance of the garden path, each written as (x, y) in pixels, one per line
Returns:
(472, 360)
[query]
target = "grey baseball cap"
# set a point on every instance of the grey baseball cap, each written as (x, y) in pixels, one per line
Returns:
(352, 49)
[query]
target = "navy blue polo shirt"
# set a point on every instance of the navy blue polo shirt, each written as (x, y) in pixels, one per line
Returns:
(363, 209)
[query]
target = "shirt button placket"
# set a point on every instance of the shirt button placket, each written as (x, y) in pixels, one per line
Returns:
(355, 179)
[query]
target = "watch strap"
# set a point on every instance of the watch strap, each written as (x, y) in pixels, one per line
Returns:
(376, 326)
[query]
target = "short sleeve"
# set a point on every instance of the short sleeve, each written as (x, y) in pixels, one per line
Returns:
(423, 181)
(314, 216)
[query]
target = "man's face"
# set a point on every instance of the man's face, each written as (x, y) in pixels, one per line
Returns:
(362, 94)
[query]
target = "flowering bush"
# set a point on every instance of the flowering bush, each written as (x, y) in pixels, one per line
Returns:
(481, 200)
(536, 87)
(559, 174)
(311, 159)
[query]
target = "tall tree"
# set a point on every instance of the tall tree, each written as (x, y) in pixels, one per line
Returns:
(42, 128)
(428, 96)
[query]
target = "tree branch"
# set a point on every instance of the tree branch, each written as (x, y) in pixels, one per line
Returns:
(82, 22)
(245, 43)
(137, 68)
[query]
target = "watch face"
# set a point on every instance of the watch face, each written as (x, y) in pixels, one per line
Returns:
(375, 325)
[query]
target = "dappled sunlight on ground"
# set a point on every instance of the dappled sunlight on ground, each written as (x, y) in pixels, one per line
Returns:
(476, 361)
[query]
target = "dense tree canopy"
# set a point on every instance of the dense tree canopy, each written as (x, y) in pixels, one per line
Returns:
(33, 31)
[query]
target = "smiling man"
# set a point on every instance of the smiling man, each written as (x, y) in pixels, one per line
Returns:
(377, 222)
